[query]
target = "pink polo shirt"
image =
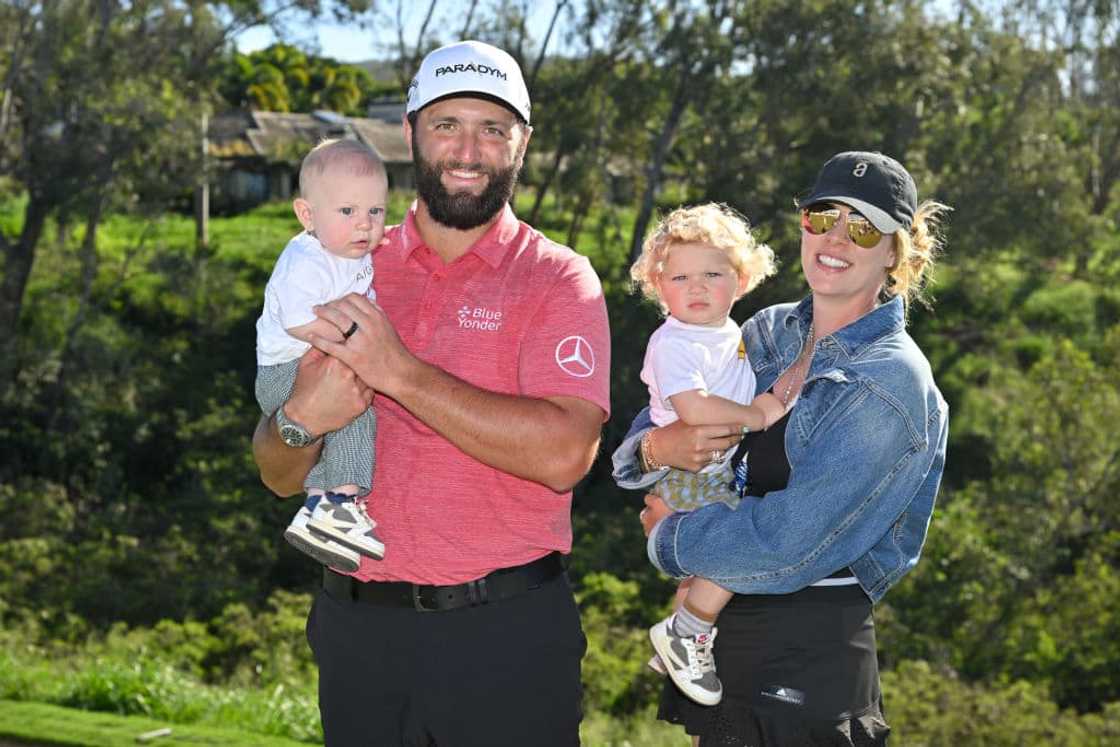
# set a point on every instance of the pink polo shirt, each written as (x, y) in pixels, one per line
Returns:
(518, 314)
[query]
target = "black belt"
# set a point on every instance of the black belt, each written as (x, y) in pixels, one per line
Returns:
(501, 584)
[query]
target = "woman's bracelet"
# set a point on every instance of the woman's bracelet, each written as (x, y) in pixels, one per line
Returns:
(645, 454)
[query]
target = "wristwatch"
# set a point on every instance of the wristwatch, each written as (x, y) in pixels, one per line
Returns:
(292, 433)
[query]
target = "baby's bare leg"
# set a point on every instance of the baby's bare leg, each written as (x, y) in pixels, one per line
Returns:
(682, 592)
(706, 599)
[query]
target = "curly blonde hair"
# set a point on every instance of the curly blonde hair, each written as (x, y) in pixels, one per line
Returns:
(916, 252)
(714, 224)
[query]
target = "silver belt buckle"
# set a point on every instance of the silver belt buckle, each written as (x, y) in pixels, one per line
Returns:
(417, 603)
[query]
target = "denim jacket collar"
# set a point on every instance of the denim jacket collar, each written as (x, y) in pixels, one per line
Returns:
(855, 337)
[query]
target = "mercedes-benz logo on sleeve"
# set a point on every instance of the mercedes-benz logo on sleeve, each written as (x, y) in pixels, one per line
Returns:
(575, 357)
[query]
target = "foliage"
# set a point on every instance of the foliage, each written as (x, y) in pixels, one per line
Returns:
(934, 708)
(260, 675)
(614, 672)
(282, 78)
(141, 568)
(1014, 564)
(100, 109)
(640, 729)
(927, 705)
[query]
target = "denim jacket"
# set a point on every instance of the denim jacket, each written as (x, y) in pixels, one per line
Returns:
(866, 446)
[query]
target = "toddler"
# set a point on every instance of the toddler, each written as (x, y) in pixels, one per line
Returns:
(696, 263)
(343, 189)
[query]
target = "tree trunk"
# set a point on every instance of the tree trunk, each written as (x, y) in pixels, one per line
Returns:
(544, 46)
(542, 190)
(18, 258)
(589, 193)
(15, 65)
(408, 62)
(576, 226)
(657, 161)
(202, 194)
(464, 34)
(89, 263)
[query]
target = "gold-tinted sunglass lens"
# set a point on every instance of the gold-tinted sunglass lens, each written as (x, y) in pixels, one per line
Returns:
(862, 232)
(820, 221)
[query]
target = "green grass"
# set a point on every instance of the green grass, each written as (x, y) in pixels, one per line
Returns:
(638, 730)
(39, 723)
(43, 724)
(155, 690)
(154, 260)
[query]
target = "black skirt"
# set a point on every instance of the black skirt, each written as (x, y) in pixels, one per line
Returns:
(797, 669)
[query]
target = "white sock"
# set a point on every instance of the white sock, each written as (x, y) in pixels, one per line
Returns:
(687, 625)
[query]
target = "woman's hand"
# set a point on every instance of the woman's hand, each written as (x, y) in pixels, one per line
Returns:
(691, 447)
(655, 510)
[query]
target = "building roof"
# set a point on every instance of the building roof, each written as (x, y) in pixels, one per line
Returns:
(285, 136)
(385, 138)
(389, 110)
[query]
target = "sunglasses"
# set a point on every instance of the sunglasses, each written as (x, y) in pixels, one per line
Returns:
(818, 219)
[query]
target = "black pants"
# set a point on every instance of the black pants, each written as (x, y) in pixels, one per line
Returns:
(797, 669)
(504, 673)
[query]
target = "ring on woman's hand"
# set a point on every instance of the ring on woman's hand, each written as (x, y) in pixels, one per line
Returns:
(352, 330)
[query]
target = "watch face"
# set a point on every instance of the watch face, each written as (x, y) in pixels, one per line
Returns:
(294, 436)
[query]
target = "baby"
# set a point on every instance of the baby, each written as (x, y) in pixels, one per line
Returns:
(343, 189)
(696, 263)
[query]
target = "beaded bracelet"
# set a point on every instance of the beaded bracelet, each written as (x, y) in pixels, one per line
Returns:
(646, 455)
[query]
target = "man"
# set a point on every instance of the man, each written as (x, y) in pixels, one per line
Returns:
(489, 352)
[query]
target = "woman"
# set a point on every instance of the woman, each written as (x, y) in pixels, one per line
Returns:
(839, 492)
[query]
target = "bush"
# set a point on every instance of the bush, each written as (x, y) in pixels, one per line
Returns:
(140, 684)
(928, 707)
(615, 677)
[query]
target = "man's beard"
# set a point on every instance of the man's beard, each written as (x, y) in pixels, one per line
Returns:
(462, 210)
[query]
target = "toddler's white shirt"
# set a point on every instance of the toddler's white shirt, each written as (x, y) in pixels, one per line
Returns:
(681, 357)
(305, 275)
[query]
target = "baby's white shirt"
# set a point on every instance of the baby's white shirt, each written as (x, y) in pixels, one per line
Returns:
(305, 275)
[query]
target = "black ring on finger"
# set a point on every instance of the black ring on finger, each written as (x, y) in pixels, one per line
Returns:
(352, 330)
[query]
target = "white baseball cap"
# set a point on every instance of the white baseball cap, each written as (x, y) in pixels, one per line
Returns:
(466, 68)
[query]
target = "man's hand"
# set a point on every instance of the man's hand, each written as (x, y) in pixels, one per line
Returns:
(374, 351)
(326, 395)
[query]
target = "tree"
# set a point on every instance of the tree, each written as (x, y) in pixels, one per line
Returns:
(693, 47)
(283, 78)
(98, 95)
(1013, 561)
(579, 122)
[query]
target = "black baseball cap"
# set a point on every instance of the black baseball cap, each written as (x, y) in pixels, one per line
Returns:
(874, 184)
